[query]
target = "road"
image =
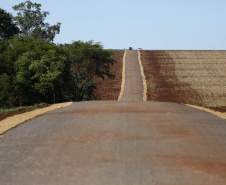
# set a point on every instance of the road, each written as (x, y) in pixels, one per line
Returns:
(133, 80)
(116, 143)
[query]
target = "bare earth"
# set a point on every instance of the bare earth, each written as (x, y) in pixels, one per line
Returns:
(109, 89)
(190, 77)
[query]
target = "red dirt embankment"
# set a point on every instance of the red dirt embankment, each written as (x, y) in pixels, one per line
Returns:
(110, 89)
(189, 77)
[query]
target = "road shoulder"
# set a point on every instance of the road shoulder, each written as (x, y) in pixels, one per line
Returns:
(219, 114)
(15, 120)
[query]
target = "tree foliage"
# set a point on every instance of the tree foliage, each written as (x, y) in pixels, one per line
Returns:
(35, 70)
(30, 20)
(88, 60)
(7, 27)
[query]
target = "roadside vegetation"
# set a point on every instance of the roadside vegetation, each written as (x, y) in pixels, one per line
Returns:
(34, 70)
(4, 113)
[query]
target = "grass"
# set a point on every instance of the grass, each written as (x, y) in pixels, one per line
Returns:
(218, 108)
(153, 85)
(4, 113)
(194, 102)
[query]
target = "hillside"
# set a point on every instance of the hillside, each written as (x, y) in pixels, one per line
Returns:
(110, 89)
(193, 77)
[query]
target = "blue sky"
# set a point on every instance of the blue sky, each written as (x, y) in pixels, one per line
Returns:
(146, 24)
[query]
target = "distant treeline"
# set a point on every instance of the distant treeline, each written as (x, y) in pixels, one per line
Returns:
(35, 70)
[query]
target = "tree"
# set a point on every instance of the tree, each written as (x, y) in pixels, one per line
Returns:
(88, 60)
(41, 72)
(7, 27)
(30, 20)
(48, 74)
(33, 71)
(5, 90)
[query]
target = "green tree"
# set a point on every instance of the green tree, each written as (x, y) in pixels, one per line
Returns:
(7, 27)
(33, 71)
(41, 73)
(30, 20)
(6, 94)
(88, 60)
(48, 74)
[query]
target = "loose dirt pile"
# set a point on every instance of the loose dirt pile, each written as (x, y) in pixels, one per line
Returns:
(189, 77)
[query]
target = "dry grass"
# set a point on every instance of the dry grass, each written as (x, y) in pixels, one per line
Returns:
(192, 77)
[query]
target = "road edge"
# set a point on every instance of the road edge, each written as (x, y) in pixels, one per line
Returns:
(143, 78)
(216, 113)
(13, 121)
(123, 77)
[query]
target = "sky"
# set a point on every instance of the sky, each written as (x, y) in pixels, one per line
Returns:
(146, 24)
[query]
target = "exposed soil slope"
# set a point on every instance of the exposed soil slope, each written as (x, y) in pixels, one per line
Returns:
(191, 77)
(110, 89)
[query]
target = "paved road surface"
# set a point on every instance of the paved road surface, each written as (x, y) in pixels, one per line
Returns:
(133, 79)
(116, 143)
